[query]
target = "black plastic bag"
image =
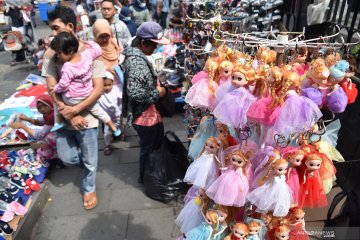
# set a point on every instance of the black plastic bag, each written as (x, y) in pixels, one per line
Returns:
(163, 178)
(166, 104)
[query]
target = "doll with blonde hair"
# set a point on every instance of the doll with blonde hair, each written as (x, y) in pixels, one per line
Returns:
(206, 229)
(225, 70)
(277, 192)
(297, 113)
(225, 216)
(311, 193)
(239, 231)
(202, 93)
(232, 186)
(234, 105)
(204, 170)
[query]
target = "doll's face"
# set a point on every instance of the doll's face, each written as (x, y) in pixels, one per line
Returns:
(226, 71)
(222, 215)
(281, 169)
(266, 220)
(296, 160)
(238, 233)
(282, 235)
(254, 230)
(237, 161)
(221, 130)
(208, 220)
(202, 194)
(313, 164)
(239, 78)
(299, 217)
(210, 147)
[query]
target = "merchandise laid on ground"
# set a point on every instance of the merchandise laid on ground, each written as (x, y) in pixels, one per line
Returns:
(22, 170)
(262, 113)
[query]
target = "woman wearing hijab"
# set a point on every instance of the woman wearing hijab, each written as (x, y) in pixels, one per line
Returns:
(110, 49)
(140, 12)
(45, 106)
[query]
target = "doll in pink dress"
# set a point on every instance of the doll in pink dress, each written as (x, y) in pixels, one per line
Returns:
(232, 186)
(233, 107)
(295, 157)
(275, 194)
(311, 193)
(204, 170)
(202, 93)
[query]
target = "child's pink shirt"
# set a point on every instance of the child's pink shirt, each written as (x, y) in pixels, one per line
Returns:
(76, 78)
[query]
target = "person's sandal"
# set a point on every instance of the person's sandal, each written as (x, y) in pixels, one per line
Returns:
(107, 150)
(90, 200)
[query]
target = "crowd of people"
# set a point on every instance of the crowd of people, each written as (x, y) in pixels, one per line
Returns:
(107, 78)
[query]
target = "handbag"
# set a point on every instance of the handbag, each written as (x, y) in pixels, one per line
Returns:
(166, 104)
(164, 174)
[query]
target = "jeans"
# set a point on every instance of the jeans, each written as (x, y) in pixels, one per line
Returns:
(80, 148)
(150, 139)
(163, 19)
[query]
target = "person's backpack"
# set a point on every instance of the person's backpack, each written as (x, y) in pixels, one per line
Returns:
(164, 174)
(346, 224)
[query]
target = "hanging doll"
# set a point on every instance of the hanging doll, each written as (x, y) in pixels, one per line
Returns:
(297, 114)
(225, 70)
(205, 130)
(311, 191)
(191, 215)
(207, 229)
(224, 217)
(224, 136)
(297, 224)
(346, 84)
(295, 157)
(277, 192)
(239, 232)
(282, 232)
(254, 230)
(225, 76)
(202, 93)
(204, 170)
(263, 159)
(232, 186)
(233, 107)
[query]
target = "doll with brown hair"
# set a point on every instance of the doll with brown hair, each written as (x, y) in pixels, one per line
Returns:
(224, 136)
(294, 156)
(282, 232)
(204, 170)
(206, 229)
(276, 190)
(297, 224)
(192, 215)
(225, 217)
(234, 105)
(311, 193)
(232, 186)
(254, 230)
(202, 93)
(239, 231)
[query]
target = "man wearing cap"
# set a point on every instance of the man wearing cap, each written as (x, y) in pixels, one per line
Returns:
(118, 28)
(125, 16)
(142, 91)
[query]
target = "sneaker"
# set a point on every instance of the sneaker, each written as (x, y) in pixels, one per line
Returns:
(277, 2)
(117, 132)
(57, 127)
